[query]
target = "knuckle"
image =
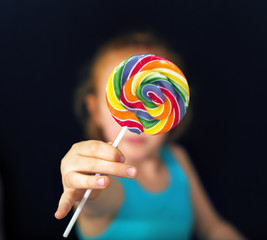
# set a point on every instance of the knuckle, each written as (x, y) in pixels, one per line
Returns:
(91, 183)
(74, 146)
(68, 180)
(88, 183)
(114, 155)
(67, 202)
(107, 182)
(62, 166)
(92, 165)
(93, 146)
(113, 169)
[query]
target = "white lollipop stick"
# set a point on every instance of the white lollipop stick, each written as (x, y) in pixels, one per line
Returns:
(88, 191)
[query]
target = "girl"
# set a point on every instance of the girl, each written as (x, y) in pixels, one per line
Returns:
(148, 189)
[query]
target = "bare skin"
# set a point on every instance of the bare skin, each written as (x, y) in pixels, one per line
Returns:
(140, 161)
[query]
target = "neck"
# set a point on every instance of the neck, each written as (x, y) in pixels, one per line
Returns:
(150, 164)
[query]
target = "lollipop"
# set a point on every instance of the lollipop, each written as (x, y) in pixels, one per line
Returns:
(147, 93)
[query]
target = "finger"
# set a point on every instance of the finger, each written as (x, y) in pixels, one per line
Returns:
(98, 149)
(94, 165)
(65, 204)
(78, 180)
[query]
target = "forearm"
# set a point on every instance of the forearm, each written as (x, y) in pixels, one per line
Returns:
(222, 230)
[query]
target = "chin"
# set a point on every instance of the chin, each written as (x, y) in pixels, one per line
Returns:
(135, 158)
(135, 153)
(138, 148)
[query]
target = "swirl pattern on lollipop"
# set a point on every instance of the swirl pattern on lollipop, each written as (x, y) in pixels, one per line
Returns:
(147, 93)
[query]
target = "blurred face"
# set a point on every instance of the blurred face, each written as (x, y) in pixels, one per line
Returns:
(135, 147)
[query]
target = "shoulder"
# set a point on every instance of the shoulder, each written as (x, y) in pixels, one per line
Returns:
(179, 150)
(182, 158)
(208, 221)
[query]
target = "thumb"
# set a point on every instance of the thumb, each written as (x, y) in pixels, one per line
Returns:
(65, 204)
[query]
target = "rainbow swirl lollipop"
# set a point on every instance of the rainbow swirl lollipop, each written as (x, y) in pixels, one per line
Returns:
(147, 93)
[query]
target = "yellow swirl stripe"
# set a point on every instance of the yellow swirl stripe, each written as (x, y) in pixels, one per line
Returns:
(161, 112)
(176, 77)
(111, 95)
(155, 129)
(138, 78)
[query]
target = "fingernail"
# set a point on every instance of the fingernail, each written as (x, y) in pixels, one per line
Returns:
(122, 159)
(56, 214)
(131, 172)
(100, 182)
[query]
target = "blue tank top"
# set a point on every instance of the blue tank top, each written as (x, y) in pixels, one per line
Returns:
(146, 215)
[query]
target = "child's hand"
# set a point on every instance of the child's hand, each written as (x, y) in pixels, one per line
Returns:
(83, 159)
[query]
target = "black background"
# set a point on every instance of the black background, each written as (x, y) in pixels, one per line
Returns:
(43, 44)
